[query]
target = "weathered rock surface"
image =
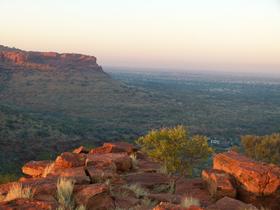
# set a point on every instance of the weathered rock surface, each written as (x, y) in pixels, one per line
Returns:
(48, 60)
(77, 173)
(121, 161)
(97, 175)
(255, 177)
(114, 147)
(194, 188)
(69, 160)
(227, 203)
(26, 204)
(35, 168)
(219, 184)
(94, 196)
(80, 149)
(147, 180)
(256, 182)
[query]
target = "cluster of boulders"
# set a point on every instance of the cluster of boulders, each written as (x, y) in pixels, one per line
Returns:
(236, 176)
(119, 176)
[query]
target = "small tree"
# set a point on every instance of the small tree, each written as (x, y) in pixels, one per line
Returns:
(175, 149)
(262, 148)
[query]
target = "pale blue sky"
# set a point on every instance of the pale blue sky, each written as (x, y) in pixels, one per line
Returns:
(223, 35)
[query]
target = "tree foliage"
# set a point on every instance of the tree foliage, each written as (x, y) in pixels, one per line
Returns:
(262, 148)
(175, 149)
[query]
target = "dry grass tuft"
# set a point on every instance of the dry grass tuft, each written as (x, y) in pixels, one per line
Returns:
(138, 190)
(134, 161)
(81, 207)
(190, 201)
(65, 188)
(18, 191)
(148, 203)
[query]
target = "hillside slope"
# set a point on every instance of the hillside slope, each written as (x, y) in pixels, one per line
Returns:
(46, 98)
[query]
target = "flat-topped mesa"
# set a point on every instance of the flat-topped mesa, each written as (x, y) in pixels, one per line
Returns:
(48, 59)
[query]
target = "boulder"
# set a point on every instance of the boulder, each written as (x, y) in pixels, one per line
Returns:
(126, 202)
(227, 203)
(148, 165)
(98, 175)
(35, 168)
(78, 174)
(114, 147)
(120, 161)
(42, 186)
(27, 204)
(94, 196)
(259, 178)
(80, 149)
(256, 183)
(194, 188)
(219, 184)
(70, 160)
(147, 180)
(124, 198)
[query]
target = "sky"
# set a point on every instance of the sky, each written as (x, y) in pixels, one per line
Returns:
(220, 35)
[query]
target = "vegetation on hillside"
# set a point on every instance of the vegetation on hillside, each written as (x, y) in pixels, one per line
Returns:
(263, 148)
(43, 113)
(175, 149)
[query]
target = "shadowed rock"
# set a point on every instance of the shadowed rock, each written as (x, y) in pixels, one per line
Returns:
(227, 203)
(219, 184)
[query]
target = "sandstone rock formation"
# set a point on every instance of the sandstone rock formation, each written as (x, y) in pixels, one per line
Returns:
(227, 203)
(47, 60)
(219, 184)
(105, 178)
(256, 182)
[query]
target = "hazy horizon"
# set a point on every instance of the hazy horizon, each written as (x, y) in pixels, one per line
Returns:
(222, 36)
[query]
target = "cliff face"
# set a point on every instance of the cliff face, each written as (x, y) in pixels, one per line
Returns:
(47, 60)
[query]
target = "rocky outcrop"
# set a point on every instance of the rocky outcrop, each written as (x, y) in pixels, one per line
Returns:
(35, 168)
(114, 147)
(70, 160)
(105, 178)
(119, 161)
(94, 196)
(256, 182)
(48, 60)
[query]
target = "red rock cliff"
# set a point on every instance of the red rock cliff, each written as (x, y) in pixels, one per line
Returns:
(47, 59)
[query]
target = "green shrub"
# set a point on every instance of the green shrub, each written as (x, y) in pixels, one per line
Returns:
(175, 149)
(262, 148)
